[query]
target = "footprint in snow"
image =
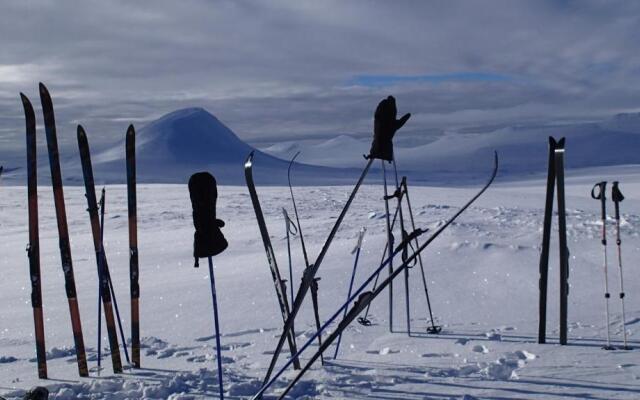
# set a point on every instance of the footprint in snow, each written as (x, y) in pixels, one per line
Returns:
(436, 355)
(480, 349)
(235, 346)
(462, 341)
(383, 352)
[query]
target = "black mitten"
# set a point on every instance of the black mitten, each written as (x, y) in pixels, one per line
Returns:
(208, 239)
(385, 126)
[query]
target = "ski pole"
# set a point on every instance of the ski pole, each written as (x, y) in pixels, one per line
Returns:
(290, 227)
(113, 293)
(433, 329)
(399, 194)
(217, 327)
(356, 251)
(391, 240)
(617, 197)
(364, 320)
(314, 282)
(599, 194)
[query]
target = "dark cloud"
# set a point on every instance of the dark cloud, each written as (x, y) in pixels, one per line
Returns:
(293, 69)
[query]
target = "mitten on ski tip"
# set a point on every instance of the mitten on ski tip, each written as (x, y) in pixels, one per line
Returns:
(385, 126)
(208, 239)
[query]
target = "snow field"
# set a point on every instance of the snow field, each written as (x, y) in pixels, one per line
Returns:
(482, 275)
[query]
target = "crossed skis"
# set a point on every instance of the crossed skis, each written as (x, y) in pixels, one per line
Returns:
(363, 298)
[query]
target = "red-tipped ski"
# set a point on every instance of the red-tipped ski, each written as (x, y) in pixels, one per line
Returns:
(33, 248)
(63, 231)
(130, 148)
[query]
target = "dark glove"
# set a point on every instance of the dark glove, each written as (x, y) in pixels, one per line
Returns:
(384, 128)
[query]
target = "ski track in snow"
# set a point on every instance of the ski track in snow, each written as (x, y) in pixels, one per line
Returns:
(482, 275)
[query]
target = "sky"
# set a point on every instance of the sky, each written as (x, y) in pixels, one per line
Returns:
(292, 70)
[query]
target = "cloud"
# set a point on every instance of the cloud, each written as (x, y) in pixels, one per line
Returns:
(307, 69)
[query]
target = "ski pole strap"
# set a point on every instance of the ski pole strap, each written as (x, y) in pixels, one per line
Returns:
(396, 194)
(598, 193)
(291, 226)
(407, 240)
(363, 230)
(617, 197)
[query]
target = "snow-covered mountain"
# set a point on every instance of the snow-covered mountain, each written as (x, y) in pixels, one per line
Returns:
(185, 141)
(523, 150)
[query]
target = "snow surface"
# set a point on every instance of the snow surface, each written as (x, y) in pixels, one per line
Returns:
(482, 275)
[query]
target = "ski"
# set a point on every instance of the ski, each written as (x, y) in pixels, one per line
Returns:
(546, 238)
(365, 298)
(309, 273)
(562, 239)
(133, 245)
(33, 248)
(314, 283)
(63, 231)
(101, 259)
(281, 291)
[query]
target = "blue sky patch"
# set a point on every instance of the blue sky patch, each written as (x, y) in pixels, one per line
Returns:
(388, 80)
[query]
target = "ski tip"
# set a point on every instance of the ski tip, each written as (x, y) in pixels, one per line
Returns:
(43, 89)
(249, 160)
(81, 133)
(131, 130)
(26, 104)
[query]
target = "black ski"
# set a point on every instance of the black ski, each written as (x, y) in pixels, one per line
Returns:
(133, 245)
(63, 231)
(555, 177)
(314, 283)
(365, 298)
(33, 248)
(281, 291)
(101, 259)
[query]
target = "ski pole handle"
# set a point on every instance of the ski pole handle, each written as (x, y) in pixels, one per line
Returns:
(600, 195)
(617, 197)
(363, 230)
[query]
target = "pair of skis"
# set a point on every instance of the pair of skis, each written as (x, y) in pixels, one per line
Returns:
(365, 298)
(106, 291)
(555, 177)
(598, 193)
(33, 248)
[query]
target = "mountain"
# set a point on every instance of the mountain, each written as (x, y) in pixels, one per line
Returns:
(180, 143)
(462, 156)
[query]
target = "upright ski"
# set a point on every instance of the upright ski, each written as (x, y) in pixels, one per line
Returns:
(63, 231)
(33, 248)
(365, 298)
(133, 245)
(281, 291)
(101, 259)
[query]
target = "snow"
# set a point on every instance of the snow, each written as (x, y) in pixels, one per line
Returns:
(482, 275)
